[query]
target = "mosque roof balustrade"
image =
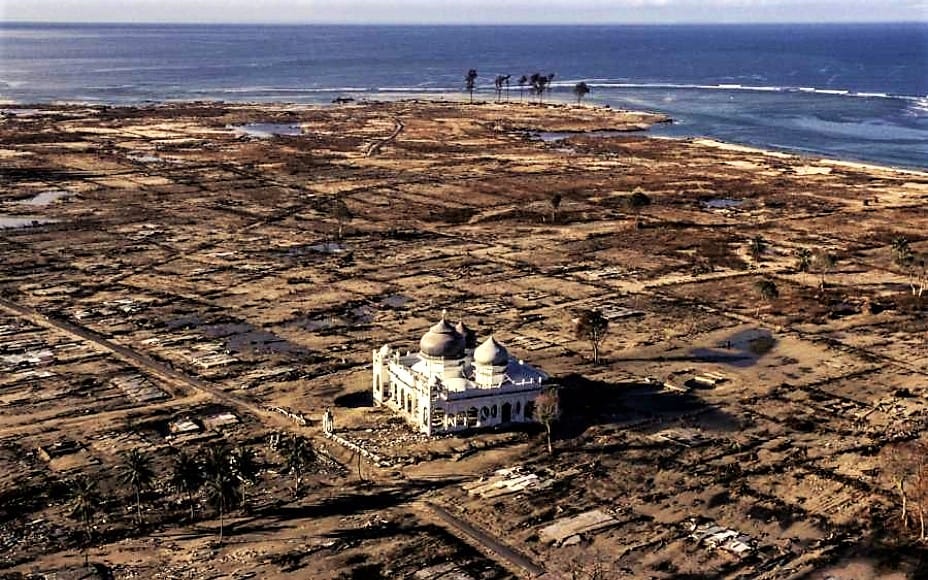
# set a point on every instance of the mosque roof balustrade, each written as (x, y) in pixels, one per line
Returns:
(407, 375)
(466, 389)
(475, 393)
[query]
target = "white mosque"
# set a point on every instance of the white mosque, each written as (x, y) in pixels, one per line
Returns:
(452, 384)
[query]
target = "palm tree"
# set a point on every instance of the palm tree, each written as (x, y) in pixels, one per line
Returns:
(298, 454)
(536, 83)
(86, 501)
(245, 468)
(187, 477)
(137, 473)
(342, 214)
(221, 489)
(555, 202)
(498, 83)
(902, 252)
(757, 247)
(768, 291)
(824, 263)
(222, 493)
(914, 265)
(470, 82)
(803, 259)
(523, 80)
(549, 80)
(636, 202)
(581, 89)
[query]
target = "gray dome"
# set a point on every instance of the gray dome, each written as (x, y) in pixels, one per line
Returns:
(491, 353)
(470, 337)
(442, 341)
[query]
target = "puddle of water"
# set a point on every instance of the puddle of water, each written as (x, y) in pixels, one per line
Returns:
(145, 158)
(325, 323)
(362, 314)
(22, 221)
(267, 130)
(21, 112)
(184, 322)
(722, 203)
(224, 330)
(328, 248)
(351, 317)
(396, 301)
(555, 136)
(261, 342)
(46, 197)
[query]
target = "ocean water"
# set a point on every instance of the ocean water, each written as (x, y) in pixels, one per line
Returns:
(848, 91)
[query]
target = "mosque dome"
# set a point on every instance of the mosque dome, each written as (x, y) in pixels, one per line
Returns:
(491, 353)
(442, 341)
(470, 337)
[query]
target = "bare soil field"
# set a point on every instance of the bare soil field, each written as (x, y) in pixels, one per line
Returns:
(181, 277)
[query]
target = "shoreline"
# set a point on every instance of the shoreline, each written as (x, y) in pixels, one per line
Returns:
(812, 159)
(555, 102)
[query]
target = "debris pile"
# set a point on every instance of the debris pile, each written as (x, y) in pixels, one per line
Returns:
(507, 481)
(568, 531)
(716, 536)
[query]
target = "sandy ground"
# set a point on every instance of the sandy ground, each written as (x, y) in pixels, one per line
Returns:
(187, 271)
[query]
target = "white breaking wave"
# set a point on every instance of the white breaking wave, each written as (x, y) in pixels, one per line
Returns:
(315, 90)
(918, 106)
(608, 84)
(920, 103)
(295, 90)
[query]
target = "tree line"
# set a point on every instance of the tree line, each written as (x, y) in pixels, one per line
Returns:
(537, 83)
(217, 476)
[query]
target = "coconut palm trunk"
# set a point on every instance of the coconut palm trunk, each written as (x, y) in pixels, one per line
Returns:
(921, 523)
(138, 506)
(222, 513)
(905, 503)
(548, 430)
(137, 472)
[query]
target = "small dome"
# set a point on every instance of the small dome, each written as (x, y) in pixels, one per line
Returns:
(385, 350)
(491, 353)
(470, 337)
(442, 341)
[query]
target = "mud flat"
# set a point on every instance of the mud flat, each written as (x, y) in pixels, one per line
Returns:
(189, 283)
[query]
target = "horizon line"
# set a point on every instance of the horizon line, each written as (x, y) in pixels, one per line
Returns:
(480, 24)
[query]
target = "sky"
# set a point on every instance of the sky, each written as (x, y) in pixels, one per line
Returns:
(464, 11)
